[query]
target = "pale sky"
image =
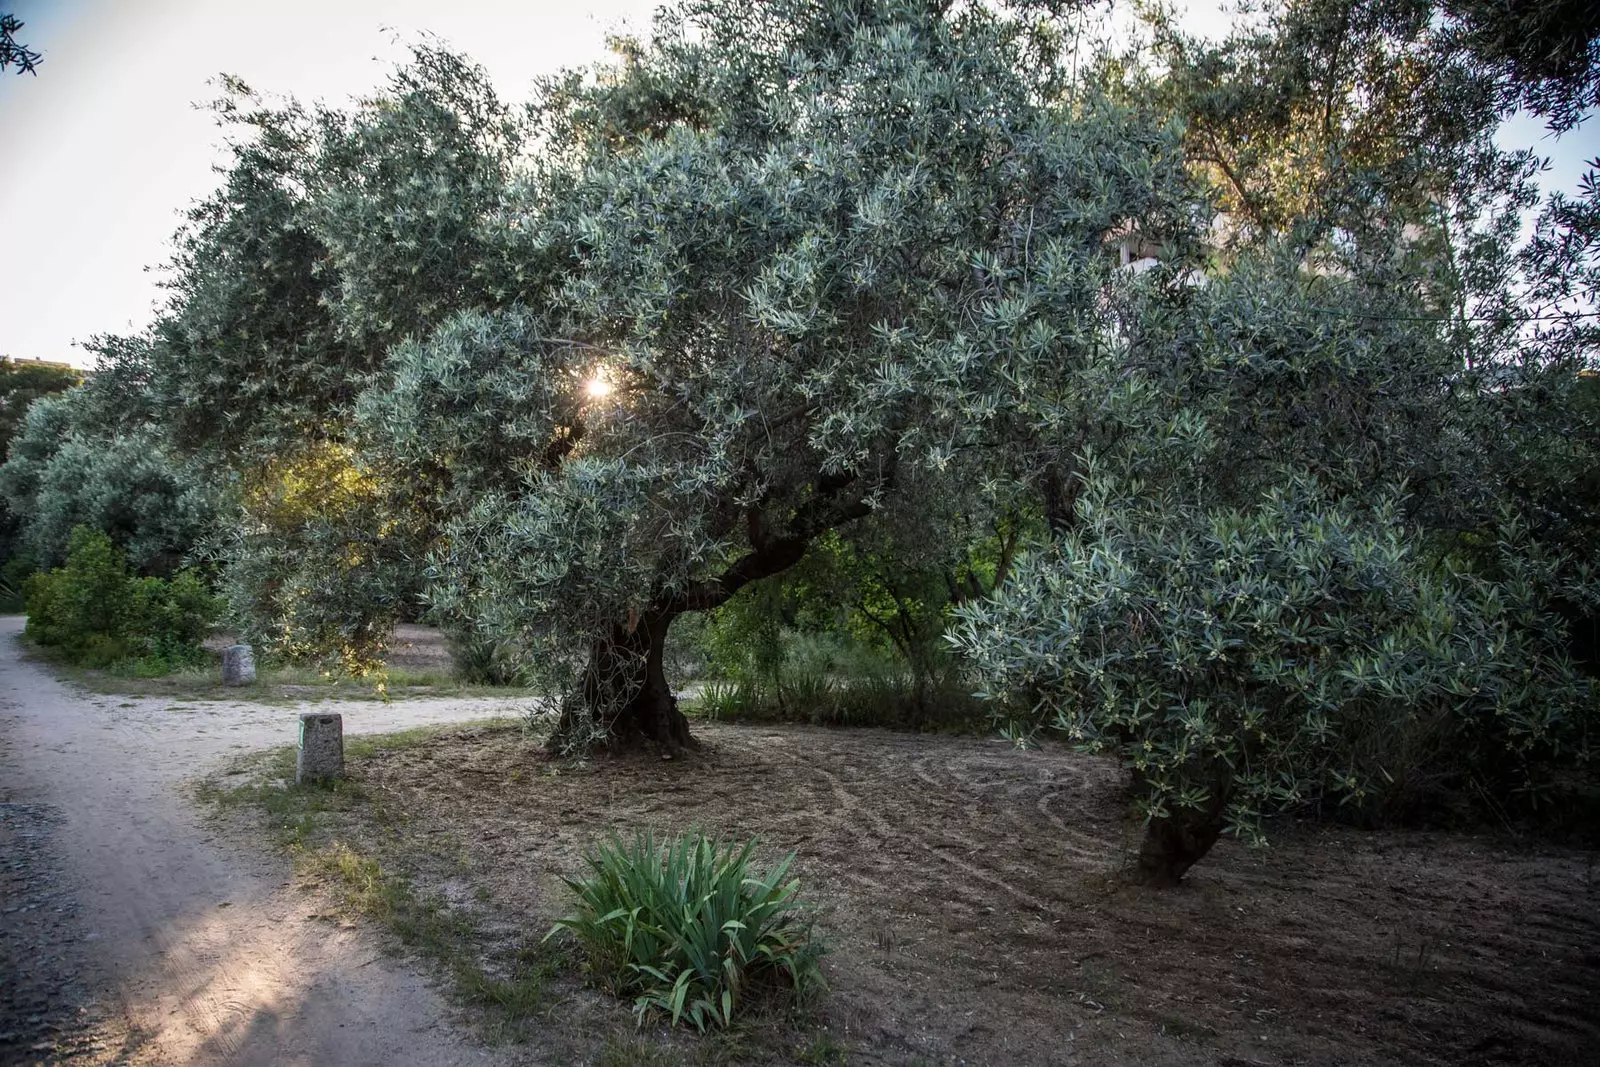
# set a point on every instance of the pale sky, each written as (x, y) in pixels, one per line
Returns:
(102, 150)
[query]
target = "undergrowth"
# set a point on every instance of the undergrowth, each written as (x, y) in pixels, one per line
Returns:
(885, 700)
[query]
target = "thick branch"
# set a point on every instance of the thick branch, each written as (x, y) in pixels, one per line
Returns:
(778, 555)
(1246, 200)
(770, 555)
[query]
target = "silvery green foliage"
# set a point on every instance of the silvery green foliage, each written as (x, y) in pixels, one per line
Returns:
(336, 233)
(799, 240)
(68, 469)
(404, 194)
(45, 428)
(1239, 447)
(247, 359)
(1277, 654)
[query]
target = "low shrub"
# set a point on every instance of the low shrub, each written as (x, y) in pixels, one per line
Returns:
(808, 694)
(688, 929)
(479, 661)
(96, 613)
(729, 700)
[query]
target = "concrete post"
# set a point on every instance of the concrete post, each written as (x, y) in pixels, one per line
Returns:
(238, 665)
(321, 748)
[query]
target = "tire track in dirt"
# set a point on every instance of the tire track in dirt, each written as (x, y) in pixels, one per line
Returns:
(887, 831)
(1082, 848)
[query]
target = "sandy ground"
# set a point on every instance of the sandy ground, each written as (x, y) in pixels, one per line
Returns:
(130, 933)
(971, 897)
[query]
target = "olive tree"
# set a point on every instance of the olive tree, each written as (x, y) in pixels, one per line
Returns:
(770, 240)
(95, 456)
(1245, 662)
(1308, 557)
(335, 234)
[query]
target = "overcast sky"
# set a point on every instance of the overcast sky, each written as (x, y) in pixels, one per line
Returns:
(101, 151)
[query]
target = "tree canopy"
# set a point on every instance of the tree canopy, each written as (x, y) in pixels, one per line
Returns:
(1204, 394)
(93, 455)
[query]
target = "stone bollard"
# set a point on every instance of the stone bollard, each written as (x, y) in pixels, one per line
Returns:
(321, 748)
(238, 665)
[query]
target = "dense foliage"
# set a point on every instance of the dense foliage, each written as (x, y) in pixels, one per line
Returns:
(95, 611)
(690, 928)
(1309, 559)
(95, 456)
(21, 383)
(1213, 391)
(1246, 662)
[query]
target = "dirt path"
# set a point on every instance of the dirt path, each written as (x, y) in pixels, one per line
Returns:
(130, 934)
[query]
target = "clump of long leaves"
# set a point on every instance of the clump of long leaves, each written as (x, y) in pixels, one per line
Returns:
(687, 928)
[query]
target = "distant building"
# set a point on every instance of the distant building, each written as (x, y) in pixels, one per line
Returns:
(18, 361)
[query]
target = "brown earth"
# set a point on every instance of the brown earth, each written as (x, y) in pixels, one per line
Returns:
(410, 647)
(971, 898)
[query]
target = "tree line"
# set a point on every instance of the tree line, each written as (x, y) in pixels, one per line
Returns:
(1228, 407)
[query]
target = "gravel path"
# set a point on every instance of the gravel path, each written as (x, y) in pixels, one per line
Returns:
(131, 934)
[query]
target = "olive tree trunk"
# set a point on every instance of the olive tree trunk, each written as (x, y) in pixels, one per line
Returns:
(625, 697)
(1178, 840)
(625, 692)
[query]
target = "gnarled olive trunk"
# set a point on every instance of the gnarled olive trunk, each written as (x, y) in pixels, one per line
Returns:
(625, 690)
(1177, 841)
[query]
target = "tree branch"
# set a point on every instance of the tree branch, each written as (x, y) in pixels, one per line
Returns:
(771, 555)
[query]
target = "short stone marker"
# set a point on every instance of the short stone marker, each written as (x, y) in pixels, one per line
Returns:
(321, 748)
(238, 665)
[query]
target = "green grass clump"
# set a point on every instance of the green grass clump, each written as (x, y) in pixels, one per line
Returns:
(883, 699)
(689, 929)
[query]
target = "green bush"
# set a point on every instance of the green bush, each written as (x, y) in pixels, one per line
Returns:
(479, 661)
(96, 613)
(1241, 663)
(729, 700)
(688, 929)
(871, 696)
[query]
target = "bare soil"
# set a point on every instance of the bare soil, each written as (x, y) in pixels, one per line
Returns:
(971, 897)
(411, 647)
